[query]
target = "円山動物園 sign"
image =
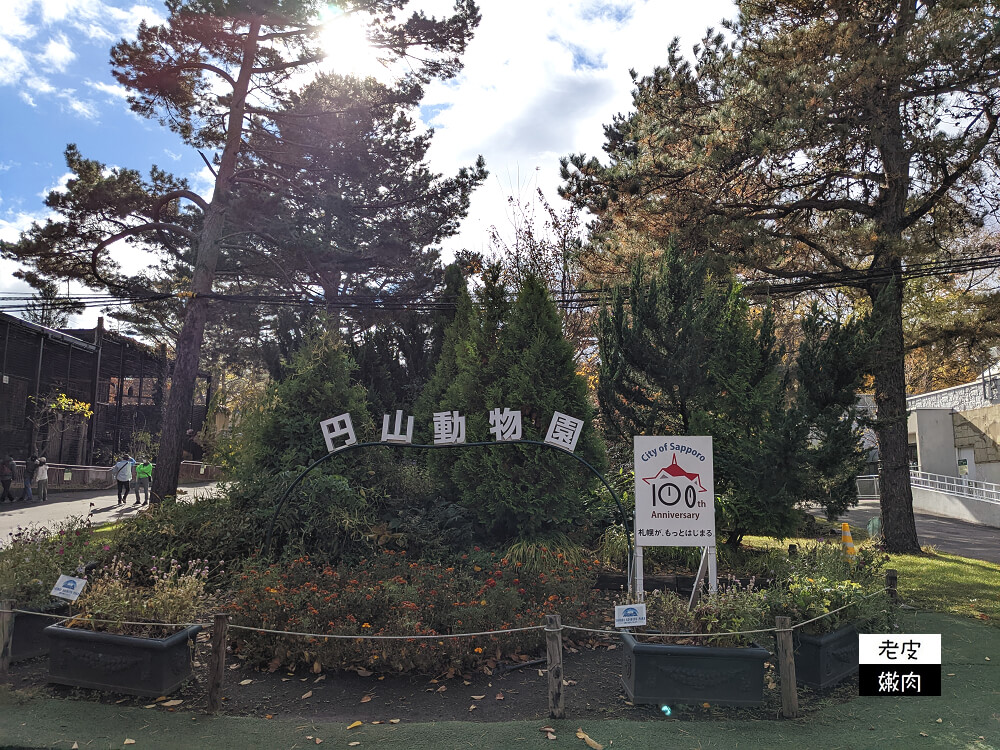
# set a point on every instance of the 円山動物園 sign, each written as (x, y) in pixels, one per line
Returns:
(449, 429)
(674, 492)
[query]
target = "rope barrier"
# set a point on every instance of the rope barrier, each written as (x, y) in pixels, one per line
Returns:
(386, 637)
(364, 636)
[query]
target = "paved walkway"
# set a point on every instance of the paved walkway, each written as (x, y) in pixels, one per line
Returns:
(102, 505)
(944, 534)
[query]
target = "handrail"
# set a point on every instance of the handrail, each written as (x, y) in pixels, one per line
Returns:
(987, 492)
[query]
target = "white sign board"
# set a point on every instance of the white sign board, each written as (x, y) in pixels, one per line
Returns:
(630, 615)
(68, 587)
(674, 492)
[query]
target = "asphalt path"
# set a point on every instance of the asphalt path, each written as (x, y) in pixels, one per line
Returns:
(944, 534)
(101, 505)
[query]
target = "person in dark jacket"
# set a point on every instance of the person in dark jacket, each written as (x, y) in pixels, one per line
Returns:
(30, 467)
(6, 477)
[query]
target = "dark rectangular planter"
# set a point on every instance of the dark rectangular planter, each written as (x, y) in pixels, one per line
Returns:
(822, 661)
(659, 673)
(119, 663)
(29, 639)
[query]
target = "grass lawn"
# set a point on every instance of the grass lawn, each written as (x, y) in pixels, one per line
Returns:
(933, 581)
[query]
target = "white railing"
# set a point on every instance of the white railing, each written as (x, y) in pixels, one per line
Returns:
(868, 486)
(987, 492)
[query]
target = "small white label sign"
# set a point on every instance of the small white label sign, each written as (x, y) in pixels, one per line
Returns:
(68, 587)
(882, 648)
(630, 615)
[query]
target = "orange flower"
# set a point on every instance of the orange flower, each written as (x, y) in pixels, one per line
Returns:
(478, 650)
(365, 625)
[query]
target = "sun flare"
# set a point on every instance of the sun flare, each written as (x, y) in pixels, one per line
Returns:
(345, 43)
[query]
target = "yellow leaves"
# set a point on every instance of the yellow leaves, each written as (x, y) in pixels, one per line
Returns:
(246, 682)
(307, 695)
(356, 724)
(393, 721)
(478, 697)
(176, 702)
(128, 741)
(590, 742)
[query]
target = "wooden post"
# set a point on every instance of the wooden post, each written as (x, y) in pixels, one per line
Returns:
(6, 633)
(891, 579)
(786, 667)
(553, 650)
(217, 663)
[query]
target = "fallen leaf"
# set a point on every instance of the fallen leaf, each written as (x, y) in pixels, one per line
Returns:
(366, 698)
(612, 647)
(706, 705)
(234, 666)
(550, 735)
(938, 721)
(286, 679)
(356, 724)
(499, 696)
(121, 701)
(272, 666)
(951, 674)
(466, 682)
(364, 673)
(487, 670)
(75, 747)
(128, 741)
(441, 689)
(987, 658)
(434, 682)
(353, 744)
(309, 736)
(541, 672)
(307, 695)
(924, 734)
(478, 697)
(586, 738)
(161, 698)
(175, 702)
(246, 682)
(393, 721)
(546, 729)
(303, 679)
(318, 741)
(569, 682)
(268, 716)
(317, 667)
(473, 707)
(321, 677)
(376, 722)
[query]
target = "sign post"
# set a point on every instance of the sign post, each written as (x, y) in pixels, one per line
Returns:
(675, 500)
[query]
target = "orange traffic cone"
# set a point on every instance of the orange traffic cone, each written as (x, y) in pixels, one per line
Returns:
(847, 543)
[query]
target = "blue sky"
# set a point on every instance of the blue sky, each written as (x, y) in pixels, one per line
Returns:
(541, 78)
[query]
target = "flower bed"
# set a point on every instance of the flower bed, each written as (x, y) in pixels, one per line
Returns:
(390, 594)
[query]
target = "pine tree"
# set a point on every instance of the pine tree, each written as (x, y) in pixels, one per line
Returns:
(217, 72)
(688, 356)
(519, 359)
(828, 142)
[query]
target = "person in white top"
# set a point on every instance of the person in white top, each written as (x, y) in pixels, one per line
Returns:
(122, 472)
(42, 479)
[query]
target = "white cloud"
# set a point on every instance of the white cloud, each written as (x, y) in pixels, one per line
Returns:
(110, 90)
(11, 228)
(57, 54)
(13, 63)
(59, 186)
(38, 85)
(83, 108)
(27, 99)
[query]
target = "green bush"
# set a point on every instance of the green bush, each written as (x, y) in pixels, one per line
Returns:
(392, 594)
(831, 604)
(33, 558)
(733, 609)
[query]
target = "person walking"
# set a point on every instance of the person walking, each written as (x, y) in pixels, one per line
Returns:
(42, 479)
(144, 475)
(6, 477)
(30, 466)
(122, 472)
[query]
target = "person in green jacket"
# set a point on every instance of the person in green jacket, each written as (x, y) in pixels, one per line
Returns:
(143, 476)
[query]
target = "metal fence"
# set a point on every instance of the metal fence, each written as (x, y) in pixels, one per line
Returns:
(68, 477)
(987, 492)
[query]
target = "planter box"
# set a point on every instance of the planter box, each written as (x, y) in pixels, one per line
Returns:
(658, 673)
(29, 639)
(119, 663)
(822, 661)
